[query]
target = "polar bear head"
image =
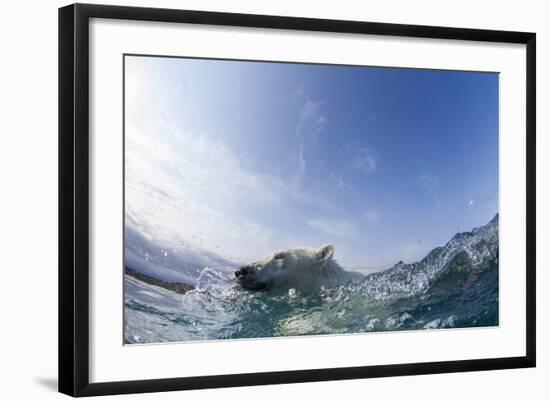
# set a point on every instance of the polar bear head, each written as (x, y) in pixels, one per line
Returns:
(303, 269)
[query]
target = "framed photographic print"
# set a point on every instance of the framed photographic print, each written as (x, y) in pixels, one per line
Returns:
(249, 199)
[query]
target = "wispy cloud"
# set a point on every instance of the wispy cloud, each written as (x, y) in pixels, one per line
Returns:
(372, 216)
(337, 181)
(173, 191)
(364, 160)
(301, 170)
(333, 227)
(311, 122)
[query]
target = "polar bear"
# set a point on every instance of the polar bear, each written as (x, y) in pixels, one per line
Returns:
(304, 269)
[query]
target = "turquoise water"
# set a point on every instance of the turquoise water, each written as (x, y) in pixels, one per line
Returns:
(219, 309)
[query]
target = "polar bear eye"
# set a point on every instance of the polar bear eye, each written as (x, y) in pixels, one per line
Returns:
(279, 255)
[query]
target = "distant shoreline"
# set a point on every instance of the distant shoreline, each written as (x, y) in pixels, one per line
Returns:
(180, 288)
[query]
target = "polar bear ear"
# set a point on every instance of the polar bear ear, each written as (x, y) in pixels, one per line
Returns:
(325, 253)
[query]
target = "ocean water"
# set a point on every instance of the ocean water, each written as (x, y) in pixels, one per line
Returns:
(218, 309)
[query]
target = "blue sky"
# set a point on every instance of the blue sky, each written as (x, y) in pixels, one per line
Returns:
(245, 158)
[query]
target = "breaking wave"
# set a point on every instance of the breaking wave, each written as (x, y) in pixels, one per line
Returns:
(454, 286)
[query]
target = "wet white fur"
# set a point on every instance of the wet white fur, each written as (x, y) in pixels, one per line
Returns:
(304, 269)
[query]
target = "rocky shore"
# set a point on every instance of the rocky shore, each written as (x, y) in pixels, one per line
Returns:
(180, 288)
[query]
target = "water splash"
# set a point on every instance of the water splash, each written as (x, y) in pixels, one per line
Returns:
(218, 309)
(453, 286)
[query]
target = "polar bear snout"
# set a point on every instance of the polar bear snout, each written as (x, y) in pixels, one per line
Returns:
(250, 277)
(245, 271)
(242, 272)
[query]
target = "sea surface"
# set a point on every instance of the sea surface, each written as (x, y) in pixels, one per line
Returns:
(218, 309)
(454, 286)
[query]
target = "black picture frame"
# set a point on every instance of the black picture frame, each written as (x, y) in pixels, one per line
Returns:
(74, 198)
